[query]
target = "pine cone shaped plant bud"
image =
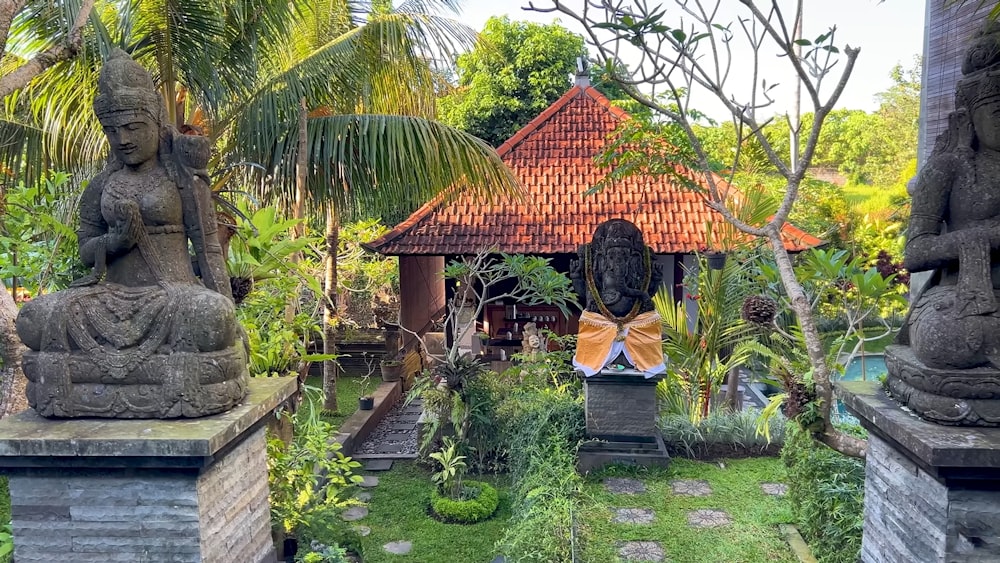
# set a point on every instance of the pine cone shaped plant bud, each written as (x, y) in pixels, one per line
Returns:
(241, 288)
(759, 309)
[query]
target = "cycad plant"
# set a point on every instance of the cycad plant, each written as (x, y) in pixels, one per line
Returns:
(702, 351)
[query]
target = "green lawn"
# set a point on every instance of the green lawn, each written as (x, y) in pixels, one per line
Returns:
(348, 391)
(399, 512)
(752, 537)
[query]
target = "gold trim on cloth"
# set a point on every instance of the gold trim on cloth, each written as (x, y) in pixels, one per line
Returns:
(600, 340)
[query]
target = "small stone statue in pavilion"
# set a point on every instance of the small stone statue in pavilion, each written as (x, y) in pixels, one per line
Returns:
(616, 277)
(151, 332)
(946, 366)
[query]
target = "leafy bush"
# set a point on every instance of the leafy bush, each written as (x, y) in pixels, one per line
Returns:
(307, 476)
(734, 432)
(826, 491)
(479, 502)
(320, 553)
(542, 429)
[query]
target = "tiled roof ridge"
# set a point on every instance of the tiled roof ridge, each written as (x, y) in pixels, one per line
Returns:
(563, 101)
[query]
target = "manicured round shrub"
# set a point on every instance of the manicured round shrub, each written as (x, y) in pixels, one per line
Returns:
(469, 511)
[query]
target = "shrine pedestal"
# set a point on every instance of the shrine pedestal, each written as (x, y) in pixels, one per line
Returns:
(932, 492)
(621, 415)
(100, 490)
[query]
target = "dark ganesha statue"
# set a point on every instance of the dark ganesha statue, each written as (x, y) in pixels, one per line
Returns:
(142, 336)
(616, 277)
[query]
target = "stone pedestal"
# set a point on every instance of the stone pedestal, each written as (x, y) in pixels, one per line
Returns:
(621, 415)
(99, 490)
(932, 492)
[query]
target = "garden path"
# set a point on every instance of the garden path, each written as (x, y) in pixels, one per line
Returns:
(649, 549)
(395, 437)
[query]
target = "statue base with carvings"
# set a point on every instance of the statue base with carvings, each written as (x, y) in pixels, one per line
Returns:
(621, 414)
(932, 492)
(100, 490)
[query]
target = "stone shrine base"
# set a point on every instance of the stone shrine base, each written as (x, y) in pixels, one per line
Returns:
(932, 492)
(621, 417)
(99, 490)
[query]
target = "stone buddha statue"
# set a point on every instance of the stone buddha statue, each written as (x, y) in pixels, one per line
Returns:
(616, 277)
(946, 366)
(151, 332)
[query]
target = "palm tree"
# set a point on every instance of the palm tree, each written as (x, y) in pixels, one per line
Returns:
(251, 72)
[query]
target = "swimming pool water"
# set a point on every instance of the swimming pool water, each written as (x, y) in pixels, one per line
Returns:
(874, 367)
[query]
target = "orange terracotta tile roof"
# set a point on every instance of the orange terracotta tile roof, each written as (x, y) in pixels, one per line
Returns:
(552, 156)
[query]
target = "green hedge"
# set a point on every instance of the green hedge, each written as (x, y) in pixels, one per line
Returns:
(826, 491)
(467, 511)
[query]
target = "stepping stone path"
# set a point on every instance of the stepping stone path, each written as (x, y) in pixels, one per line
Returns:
(633, 516)
(641, 551)
(398, 547)
(378, 465)
(363, 496)
(691, 487)
(774, 489)
(624, 486)
(355, 513)
(368, 481)
(362, 531)
(395, 435)
(708, 518)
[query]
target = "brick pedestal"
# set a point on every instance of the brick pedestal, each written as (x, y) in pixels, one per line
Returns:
(193, 490)
(621, 415)
(932, 492)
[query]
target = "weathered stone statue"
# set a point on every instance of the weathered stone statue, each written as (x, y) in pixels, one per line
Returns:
(142, 336)
(947, 366)
(616, 277)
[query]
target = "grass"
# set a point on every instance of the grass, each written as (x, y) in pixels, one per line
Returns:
(875, 201)
(398, 511)
(752, 537)
(348, 391)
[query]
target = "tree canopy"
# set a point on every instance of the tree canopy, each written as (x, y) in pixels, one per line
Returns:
(517, 70)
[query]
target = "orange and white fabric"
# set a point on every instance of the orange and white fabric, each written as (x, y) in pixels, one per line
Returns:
(599, 342)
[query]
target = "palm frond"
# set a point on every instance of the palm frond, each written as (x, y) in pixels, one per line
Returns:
(378, 162)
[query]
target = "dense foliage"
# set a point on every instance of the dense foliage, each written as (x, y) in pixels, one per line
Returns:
(517, 70)
(826, 490)
(478, 502)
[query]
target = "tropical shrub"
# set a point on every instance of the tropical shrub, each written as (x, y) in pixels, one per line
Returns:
(721, 433)
(309, 475)
(826, 491)
(542, 428)
(476, 502)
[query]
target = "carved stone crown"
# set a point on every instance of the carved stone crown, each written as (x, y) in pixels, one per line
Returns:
(124, 86)
(981, 70)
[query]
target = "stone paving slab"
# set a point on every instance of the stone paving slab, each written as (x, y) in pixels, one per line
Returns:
(774, 489)
(363, 496)
(408, 419)
(708, 518)
(691, 487)
(633, 516)
(641, 551)
(354, 513)
(368, 481)
(398, 547)
(400, 428)
(624, 486)
(378, 465)
(397, 437)
(362, 531)
(389, 448)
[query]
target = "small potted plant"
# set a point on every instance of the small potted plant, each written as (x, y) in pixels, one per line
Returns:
(366, 402)
(716, 258)
(392, 370)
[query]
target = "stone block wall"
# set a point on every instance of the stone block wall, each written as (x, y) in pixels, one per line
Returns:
(911, 516)
(620, 408)
(146, 515)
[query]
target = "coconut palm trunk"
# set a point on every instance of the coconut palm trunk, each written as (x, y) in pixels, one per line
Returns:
(330, 313)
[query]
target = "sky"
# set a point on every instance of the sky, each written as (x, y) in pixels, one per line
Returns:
(888, 33)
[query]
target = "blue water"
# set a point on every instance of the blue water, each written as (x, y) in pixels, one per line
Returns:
(874, 367)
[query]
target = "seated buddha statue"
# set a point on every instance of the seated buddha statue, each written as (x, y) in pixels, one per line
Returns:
(151, 332)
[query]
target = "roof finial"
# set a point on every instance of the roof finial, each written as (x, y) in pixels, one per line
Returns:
(582, 72)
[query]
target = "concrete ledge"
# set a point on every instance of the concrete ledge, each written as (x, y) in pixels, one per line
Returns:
(799, 546)
(948, 452)
(28, 440)
(359, 425)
